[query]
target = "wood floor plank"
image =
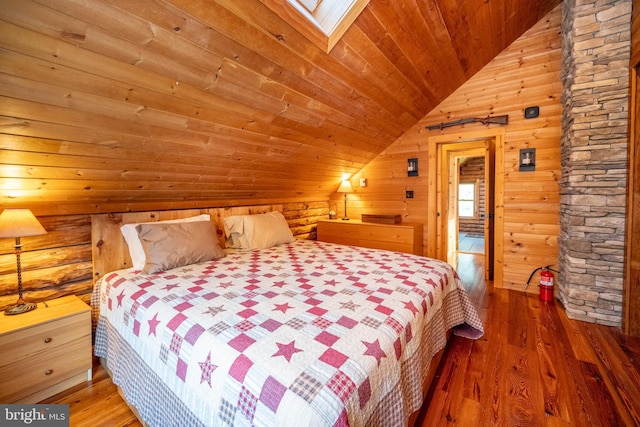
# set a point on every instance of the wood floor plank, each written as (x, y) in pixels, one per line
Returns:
(613, 371)
(548, 374)
(480, 352)
(565, 397)
(581, 348)
(602, 399)
(96, 403)
(494, 406)
(630, 346)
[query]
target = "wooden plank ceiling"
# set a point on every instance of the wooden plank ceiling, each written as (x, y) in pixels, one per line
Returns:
(106, 104)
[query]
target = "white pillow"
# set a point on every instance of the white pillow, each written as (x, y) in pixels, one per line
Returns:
(257, 231)
(130, 234)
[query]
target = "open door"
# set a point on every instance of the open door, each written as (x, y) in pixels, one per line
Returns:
(450, 195)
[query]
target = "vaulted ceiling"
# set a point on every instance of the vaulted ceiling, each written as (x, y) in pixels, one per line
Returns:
(182, 101)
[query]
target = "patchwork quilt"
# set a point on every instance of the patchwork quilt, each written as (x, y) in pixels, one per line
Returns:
(307, 333)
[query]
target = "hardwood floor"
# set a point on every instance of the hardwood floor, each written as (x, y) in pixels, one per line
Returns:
(533, 367)
(470, 243)
(97, 403)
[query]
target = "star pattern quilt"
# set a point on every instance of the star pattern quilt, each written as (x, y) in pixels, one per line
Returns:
(307, 333)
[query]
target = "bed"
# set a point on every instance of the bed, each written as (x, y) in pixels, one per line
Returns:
(299, 332)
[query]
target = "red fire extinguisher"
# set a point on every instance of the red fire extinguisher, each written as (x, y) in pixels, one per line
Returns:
(546, 283)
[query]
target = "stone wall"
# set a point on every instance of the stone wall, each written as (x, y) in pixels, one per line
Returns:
(595, 75)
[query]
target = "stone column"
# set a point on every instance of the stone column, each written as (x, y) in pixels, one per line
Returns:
(595, 76)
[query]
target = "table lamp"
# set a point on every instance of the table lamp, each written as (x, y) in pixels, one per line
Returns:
(345, 187)
(19, 223)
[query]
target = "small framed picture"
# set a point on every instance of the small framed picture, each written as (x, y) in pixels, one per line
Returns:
(527, 159)
(412, 167)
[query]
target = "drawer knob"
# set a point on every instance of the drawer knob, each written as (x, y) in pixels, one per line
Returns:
(49, 372)
(48, 340)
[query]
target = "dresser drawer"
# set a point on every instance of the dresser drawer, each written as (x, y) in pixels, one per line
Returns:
(386, 233)
(394, 237)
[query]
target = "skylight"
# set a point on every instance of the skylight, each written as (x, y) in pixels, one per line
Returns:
(323, 22)
(310, 5)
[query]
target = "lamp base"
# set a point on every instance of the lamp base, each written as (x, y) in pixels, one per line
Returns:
(345, 218)
(20, 308)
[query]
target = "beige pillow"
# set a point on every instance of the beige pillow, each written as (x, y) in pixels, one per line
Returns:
(136, 251)
(172, 245)
(257, 231)
(234, 230)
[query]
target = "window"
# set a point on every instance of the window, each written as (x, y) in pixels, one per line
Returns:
(468, 199)
(310, 5)
(323, 22)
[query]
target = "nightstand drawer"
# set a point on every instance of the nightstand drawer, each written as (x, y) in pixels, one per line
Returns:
(43, 337)
(25, 378)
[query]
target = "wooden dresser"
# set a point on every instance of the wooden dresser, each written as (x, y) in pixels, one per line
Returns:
(45, 351)
(406, 237)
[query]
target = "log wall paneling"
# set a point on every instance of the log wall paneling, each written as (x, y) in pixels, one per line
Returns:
(63, 261)
(526, 73)
(54, 264)
(110, 251)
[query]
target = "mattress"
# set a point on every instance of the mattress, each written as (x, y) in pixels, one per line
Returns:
(306, 333)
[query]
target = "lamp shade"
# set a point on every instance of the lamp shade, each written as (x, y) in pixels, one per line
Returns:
(345, 187)
(19, 223)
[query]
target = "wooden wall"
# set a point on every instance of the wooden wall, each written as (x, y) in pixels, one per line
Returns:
(77, 96)
(188, 101)
(55, 264)
(526, 73)
(60, 262)
(635, 33)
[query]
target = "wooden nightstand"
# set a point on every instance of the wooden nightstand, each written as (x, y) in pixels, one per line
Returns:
(45, 351)
(393, 237)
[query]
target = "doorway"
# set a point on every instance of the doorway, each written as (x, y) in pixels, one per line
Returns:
(471, 204)
(445, 155)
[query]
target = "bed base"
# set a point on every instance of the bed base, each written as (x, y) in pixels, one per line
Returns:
(413, 418)
(428, 380)
(133, 409)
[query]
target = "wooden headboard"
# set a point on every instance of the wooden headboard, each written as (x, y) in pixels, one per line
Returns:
(110, 251)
